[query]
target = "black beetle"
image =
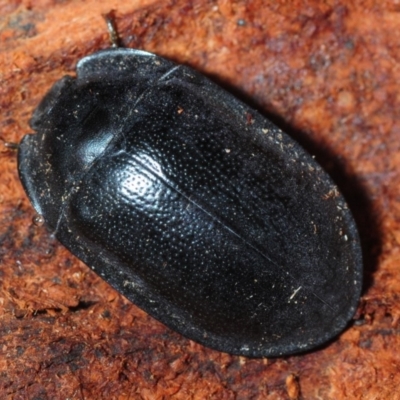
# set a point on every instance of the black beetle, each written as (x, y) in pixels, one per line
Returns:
(193, 205)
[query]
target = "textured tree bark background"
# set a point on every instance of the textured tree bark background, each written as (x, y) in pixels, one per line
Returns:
(327, 73)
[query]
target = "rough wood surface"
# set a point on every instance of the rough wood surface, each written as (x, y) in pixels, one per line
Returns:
(326, 72)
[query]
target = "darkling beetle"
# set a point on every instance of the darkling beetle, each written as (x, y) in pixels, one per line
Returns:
(192, 205)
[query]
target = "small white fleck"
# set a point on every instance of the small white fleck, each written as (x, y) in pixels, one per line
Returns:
(294, 293)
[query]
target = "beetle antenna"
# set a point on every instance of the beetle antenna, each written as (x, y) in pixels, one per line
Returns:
(112, 30)
(8, 145)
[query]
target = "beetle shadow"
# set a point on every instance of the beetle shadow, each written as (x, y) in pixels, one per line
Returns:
(349, 183)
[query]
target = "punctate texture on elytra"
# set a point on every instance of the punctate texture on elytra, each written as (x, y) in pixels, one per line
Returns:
(192, 205)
